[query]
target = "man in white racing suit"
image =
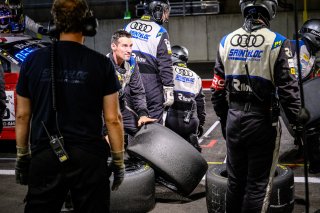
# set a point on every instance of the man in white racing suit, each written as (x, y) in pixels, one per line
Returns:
(253, 74)
(152, 50)
(187, 115)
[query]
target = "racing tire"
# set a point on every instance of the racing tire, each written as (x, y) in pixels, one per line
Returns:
(282, 194)
(137, 191)
(171, 156)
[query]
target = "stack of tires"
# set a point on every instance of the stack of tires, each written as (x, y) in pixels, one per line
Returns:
(137, 191)
(281, 199)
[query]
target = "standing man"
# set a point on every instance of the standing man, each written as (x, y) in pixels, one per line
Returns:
(187, 115)
(132, 96)
(253, 75)
(152, 50)
(74, 157)
(309, 46)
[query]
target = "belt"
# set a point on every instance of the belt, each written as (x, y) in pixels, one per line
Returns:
(249, 107)
(181, 107)
(181, 114)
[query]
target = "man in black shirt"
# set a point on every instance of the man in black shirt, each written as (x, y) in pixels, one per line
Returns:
(85, 86)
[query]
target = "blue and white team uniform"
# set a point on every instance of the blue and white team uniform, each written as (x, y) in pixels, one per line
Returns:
(253, 72)
(152, 51)
(188, 109)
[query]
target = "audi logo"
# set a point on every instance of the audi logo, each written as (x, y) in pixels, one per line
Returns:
(183, 72)
(141, 27)
(247, 40)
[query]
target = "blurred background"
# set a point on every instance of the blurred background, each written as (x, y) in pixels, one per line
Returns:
(198, 25)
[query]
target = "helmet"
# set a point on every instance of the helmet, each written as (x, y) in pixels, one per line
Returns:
(156, 8)
(310, 30)
(179, 54)
(5, 18)
(267, 8)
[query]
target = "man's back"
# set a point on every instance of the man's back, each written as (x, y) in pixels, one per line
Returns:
(80, 87)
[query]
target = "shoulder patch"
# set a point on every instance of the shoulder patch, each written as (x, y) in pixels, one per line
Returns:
(132, 63)
(161, 31)
(223, 40)
(278, 41)
(146, 18)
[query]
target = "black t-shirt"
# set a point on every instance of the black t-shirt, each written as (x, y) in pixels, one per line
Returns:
(83, 78)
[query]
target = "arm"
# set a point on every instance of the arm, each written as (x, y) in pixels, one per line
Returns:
(137, 93)
(285, 80)
(33, 26)
(23, 117)
(164, 61)
(113, 120)
(201, 111)
(219, 94)
(219, 99)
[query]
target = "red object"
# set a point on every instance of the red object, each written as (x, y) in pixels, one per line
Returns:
(8, 132)
(206, 83)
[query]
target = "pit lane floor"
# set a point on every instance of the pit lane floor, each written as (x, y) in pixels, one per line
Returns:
(213, 144)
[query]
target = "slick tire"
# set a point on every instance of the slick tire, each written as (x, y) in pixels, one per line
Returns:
(281, 199)
(172, 157)
(136, 193)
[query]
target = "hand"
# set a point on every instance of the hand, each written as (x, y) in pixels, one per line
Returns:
(200, 131)
(22, 169)
(118, 169)
(43, 31)
(144, 120)
(168, 96)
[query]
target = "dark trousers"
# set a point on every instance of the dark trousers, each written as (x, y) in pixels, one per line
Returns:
(85, 175)
(313, 148)
(175, 122)
(252, 153)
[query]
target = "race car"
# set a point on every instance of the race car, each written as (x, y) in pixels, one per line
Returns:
(13, 51)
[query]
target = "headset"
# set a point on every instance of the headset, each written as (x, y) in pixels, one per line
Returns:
(90, 24)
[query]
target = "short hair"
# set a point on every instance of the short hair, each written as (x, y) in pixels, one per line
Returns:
(69, 15)
(119, 34)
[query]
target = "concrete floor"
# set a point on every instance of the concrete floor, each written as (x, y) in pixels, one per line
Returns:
(12, 195)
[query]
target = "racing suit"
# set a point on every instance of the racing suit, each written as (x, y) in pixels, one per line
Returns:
(188, 110)
(132, 95)
(152, 50)
(308, 71)
(253, 73)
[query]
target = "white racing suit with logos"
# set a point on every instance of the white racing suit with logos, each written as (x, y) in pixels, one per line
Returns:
(253, 73)
(308, 71)
(152, 50)
(132, 97)
(188, 111)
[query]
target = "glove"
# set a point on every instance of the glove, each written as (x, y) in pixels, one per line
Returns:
(43, 31)
(22, 165)
(168, 96)
(118, 168)
(200, 131)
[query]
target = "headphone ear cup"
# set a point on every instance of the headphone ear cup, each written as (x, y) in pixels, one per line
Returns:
(52, 30)
(90, 25)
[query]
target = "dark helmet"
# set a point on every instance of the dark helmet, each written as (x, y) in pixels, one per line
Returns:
(310, 30)
(179, 54)
(156, 8)
(267, 8)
